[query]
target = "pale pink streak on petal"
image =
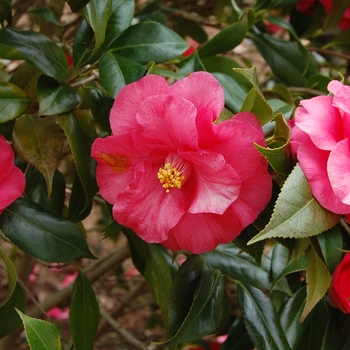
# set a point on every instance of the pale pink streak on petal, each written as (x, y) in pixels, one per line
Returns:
(321, 121)
(217, 183)
(128, 100)
(168, 122)
(145, 207)
(339, 170)
(203, 90)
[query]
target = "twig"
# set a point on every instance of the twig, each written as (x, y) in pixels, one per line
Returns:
(329, 52)
(94, 76)
(306, 91)
(123, 332)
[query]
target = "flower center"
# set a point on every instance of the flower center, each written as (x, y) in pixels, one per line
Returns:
(170, 177)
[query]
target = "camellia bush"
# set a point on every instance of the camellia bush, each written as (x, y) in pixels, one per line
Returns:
(211, 140)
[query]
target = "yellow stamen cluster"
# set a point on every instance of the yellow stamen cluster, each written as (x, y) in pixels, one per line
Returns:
(170, 177)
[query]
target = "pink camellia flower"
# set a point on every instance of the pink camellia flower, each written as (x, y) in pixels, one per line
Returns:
(174, 176)
(344, 22)
(320, 137)
(339, 291)
(12, 181)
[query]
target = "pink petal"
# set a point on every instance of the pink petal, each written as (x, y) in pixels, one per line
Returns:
(123, 112)
(339, 170)
(341, 95)
(321, 121)
(6, 157)
(116, 157)
(216, 183)
(202, 89)
(145, 207)
(313, 162)
(11, 187)
(168, 122)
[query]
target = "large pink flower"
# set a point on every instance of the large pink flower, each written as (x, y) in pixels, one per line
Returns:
(321, 133)
(12, 182)
(339, 291)
(174, 176)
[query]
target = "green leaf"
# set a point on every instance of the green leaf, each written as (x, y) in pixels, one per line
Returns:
(286, 58)
(42, 233)
(13, 101)
(117, 71)
(206, 311)
(261, 319)
(317, 279)
(331, 335)
(96, 13)
(332, 20)
(277, 152)
(40, 334)
(83, 45)
(227, 39)
(47, 14)
(192, 64)
(80, 131)
(38, 50)
(39, 142)
(54, 97)
(157, 269)
(290, 318)
(255, 102)
(240, 266)
(36, 190)
(26, 78)
(238, 338)
(84, 313)
(297, 214)
(100, 105)
(77, 5)
(148, 41)
(9, 319)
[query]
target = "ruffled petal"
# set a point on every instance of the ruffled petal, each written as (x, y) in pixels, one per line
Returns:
(202, 89)
(341, 95)
(11, 187)
(339, 170)
(217, 185)
(6, 158)
(128, 100)
(313, 162)
(145, 207)
(168, 122)
(321, 121)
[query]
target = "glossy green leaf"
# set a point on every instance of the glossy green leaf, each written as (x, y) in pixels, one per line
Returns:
(77, 5)
(236, 86)
(83, 45)
(231, 262)
(122, 12)
(331, 244)
(39, 142)
(285, 58)
(42, 233)
(227, 39)
(331, 337)
(317, 279)
(193, 64)
(5, 12)
(26, 78)
(100, 105)
(255, 101)
(32, 46)
(47, 14)
(40, 334)
(36, 190)
(148, 41)
(54, 97)
(277, 152)
(9, 319)
(152, 12)
(290, 318)
(117, 71)
(9, 53)
(261, 319)
(84, 313)
(13, 101)
(297, 214)
(157, 269)
(96, 13)
(238, 338)
(80, 131)
(206, 311)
